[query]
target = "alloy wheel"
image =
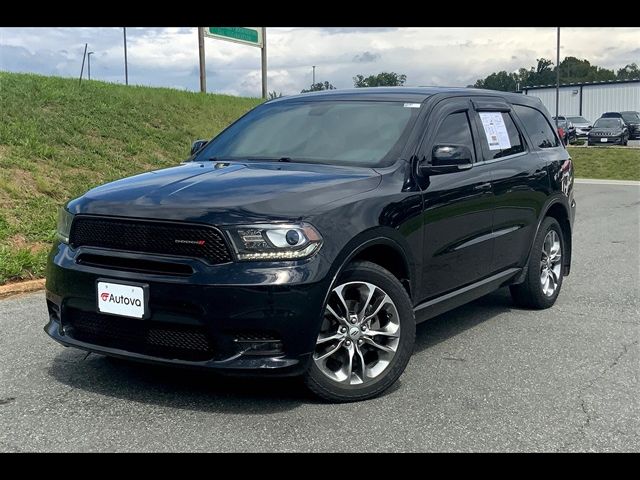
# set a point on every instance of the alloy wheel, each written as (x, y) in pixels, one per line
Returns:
(360, 334)
(551, 263)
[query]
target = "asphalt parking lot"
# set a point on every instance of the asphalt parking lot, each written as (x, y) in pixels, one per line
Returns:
(484, 377)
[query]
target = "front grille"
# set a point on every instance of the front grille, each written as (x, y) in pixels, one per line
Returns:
(165, 238)
(157, 339)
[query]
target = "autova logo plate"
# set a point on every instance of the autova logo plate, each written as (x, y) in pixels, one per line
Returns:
(118, 299)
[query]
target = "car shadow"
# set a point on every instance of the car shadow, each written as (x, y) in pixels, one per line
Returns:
(456, 321)
(207, 391)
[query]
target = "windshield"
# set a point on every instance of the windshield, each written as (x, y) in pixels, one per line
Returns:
(631, 117)
(607, 123)
(578, 120)
(332, 132)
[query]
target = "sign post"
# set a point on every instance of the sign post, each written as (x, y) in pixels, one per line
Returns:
(264, 62)
(203, 75)
(254, 36)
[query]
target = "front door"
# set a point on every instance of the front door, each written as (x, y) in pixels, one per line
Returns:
(458, 207)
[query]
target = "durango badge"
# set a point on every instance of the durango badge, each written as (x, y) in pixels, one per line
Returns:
(189, 242)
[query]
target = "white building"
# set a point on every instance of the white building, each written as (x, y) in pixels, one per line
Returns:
(589, 100)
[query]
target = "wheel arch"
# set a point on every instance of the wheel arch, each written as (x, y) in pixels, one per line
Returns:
(380, 247)
(556, 208)
(560, 212)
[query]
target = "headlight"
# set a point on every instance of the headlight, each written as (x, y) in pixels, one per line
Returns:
(64, 225)
(275, 242)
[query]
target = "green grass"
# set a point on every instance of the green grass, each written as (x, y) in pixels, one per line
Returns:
(606, 162)
(58, 139)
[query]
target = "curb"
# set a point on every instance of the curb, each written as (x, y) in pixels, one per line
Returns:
(18, 288)
(596, 181)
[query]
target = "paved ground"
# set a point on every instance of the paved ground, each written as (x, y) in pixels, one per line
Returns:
(485, 377)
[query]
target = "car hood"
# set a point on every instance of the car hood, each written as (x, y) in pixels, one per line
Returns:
(227, 193)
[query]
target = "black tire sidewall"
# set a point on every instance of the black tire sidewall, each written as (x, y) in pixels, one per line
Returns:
(543, 300)
(376, 275)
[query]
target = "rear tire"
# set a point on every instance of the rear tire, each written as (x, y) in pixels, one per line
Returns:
(351, 362)
(545, 270)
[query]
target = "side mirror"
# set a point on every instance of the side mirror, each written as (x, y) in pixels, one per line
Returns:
(197, 145)
(447, 159)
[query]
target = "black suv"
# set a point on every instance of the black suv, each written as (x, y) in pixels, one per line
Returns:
(631, 120)
(310, 236)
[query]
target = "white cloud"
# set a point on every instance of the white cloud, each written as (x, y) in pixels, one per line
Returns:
(428, 56)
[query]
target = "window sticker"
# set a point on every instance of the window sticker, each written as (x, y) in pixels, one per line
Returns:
(411, 105)
(495, 130)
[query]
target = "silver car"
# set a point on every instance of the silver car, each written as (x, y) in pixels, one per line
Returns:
(582, 126)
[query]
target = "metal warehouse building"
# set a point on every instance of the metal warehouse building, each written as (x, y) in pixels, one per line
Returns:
(589, 100)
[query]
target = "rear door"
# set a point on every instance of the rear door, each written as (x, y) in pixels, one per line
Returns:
(520, 178)
(457, 245)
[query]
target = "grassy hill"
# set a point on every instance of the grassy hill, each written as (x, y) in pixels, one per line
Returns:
(58, 139)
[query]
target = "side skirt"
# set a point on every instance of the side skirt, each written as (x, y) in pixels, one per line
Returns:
(451, 300)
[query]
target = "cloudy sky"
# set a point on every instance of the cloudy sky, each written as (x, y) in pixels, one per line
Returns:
(428, 56)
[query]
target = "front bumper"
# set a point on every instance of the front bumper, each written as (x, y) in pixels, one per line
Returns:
(228, 309)
(618, 140)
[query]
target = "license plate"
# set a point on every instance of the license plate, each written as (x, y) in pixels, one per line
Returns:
(123, 300)
(603, 140)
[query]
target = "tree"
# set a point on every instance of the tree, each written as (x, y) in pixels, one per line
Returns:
(274, 94)
(502, 81)
(316, 87)
(572, 70)
(629, 72)
(542, 74)
(383, 79)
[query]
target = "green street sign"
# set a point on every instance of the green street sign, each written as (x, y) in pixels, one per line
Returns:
(244, 35)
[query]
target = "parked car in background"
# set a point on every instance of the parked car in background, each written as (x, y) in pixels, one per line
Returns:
(582, 126)
(609, 130)
(566, 129)
(632, 119)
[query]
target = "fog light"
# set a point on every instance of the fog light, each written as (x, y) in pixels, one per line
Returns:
(255, 346)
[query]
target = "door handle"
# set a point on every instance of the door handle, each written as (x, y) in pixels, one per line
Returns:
(483, 186)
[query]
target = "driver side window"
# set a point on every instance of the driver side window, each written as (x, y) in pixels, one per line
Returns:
(456, 130)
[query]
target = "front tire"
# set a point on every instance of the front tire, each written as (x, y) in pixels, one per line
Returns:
(366, 338)
(545, 269)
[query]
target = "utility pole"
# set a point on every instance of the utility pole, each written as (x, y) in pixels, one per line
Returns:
(203, 75)
(557, 76)
(313, 82)
(82, 69)
(264, 62)
(126, 70)
(89, 64)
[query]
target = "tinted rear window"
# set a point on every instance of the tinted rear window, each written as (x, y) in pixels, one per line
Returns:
(631, 117)
(541, 133)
